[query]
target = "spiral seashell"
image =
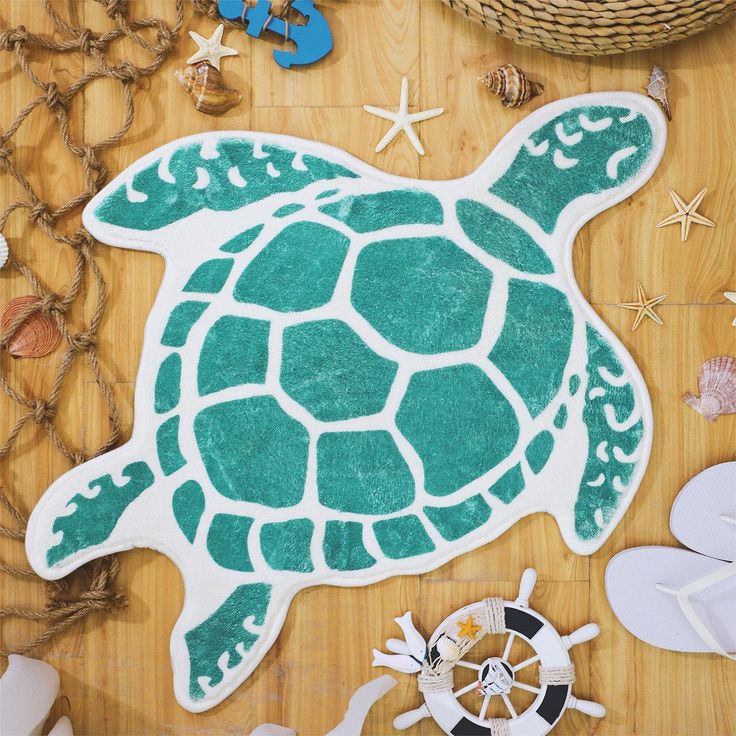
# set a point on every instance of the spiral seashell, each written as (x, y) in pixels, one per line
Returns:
(717, 386)
(512, 85)
(4, 251)
(204, 83)
(36, 337)
(659, 81)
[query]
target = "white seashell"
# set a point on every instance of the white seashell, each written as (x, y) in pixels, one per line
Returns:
(448, 649)
(717, 386)
(28, 689)
(4, 250)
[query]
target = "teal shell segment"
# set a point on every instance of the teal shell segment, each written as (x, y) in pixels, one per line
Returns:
(402, 536)
(235, 352)
(366, 213)
(362, 473)
(611, 452)
(538, 451)
(560, 419)
(534, 345)
(327, 193)
(343, 546)
(574, 384)
(227, 541)
(210, 277)
(253, 451)
(509, 485)
(223, 632)
(288, 209)
(167, 446)
(459, 423)
(454, 522)
(424, 295)
(187, 504)
(168, 384)
(297, 270)
(93, 519)
(181, 320)
(502, 238)
(575, 161)
(286, 545)
(237, 176)
(242, 240)
(332, 373)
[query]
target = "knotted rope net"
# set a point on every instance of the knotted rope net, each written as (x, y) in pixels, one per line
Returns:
(67, 601)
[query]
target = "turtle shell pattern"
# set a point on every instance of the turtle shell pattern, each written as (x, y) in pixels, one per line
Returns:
(348, 375)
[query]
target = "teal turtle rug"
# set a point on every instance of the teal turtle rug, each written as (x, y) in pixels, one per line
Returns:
(349, 375)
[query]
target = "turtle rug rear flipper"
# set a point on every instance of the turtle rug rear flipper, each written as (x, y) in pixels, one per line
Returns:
(220, 638)
(90, 512)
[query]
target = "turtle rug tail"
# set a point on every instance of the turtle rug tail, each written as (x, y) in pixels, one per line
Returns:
(221, 637)
(86, 513)
(615, 419)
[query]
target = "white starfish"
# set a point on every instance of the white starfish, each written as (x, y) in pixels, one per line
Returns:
(402, 119)
(731, 296)
(210, 49)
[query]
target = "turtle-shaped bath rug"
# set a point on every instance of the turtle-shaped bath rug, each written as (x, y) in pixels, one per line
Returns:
(349, 375)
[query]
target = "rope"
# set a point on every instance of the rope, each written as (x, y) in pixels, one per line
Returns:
(98, 577)
(499, 727)
(557, 675)
(494, 615)
(431, 681)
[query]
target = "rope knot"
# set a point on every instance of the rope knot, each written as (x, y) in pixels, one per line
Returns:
(53, 97)
(81, 240)
(87, 41)
(40, 215)
(105, 599)
(78, 458)
(42, 411)
(116, 7)
(82, 341)
(51, 304)
(12, 37)
(5, 154)
(125, 72)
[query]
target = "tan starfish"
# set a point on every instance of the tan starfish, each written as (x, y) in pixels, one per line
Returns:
(210, 49)
(644, 306)
(686, 214)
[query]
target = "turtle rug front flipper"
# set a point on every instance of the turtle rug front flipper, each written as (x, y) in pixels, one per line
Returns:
(93, 510)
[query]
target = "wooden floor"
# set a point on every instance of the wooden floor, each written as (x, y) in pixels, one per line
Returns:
(116, 676)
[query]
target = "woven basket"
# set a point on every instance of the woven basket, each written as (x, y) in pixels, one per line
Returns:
(595, 28)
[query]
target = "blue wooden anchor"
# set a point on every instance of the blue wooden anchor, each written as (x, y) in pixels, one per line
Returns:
(313, 40)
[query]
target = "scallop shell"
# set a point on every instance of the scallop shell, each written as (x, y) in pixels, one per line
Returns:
(659, 81)
(36, 337)
(512, 84)
(204, 83)
(717, 385)
(448, 649)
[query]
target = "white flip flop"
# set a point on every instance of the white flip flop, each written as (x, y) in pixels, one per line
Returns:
(675, 599)
(703, 515)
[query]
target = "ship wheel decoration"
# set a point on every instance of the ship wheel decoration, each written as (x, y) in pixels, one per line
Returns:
(435, 661)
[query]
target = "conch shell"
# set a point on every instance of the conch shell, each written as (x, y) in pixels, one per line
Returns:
(657, 89)
(4, 252)
(36, 337)
(512, 84)
(204, 83)
(717, 385)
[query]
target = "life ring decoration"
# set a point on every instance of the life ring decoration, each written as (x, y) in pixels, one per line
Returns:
(435, 661)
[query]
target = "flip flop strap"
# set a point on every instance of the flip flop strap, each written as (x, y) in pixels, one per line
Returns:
(683, 598)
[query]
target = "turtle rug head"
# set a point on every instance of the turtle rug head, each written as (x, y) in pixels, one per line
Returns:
(348, 375)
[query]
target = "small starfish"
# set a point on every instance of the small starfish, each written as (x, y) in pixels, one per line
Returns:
(644, 306)
(467, 628)
(686, 214)
(731, 296)
(210, 49)
(402, 120)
